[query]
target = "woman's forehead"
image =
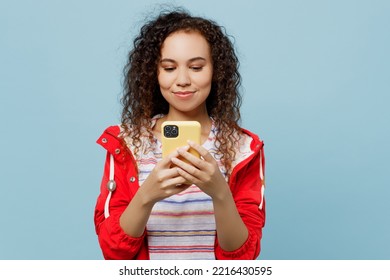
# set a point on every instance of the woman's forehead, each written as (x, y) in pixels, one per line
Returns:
(185, 45)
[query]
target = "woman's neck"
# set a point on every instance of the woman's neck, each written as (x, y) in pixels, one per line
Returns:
(200, 116)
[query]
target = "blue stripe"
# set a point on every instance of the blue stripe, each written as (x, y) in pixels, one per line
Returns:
(145, 171)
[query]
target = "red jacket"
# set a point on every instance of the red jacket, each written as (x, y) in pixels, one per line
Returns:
(246, 183)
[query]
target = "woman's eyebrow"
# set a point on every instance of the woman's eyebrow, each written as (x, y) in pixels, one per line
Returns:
(197, 58)
(167, 60)
(190, 60)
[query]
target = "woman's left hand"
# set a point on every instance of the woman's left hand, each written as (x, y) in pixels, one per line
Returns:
(204, 172)
(232, 231)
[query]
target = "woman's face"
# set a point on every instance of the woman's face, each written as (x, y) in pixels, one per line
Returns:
(185, 72)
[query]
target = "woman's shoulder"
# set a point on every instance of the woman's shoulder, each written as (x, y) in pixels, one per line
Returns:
(248, 144)
(246, 133)
(112, 131)
(129, 134)
(251, 139)
(115, 136)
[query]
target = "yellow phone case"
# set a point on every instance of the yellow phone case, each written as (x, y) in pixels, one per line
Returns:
(187, 130)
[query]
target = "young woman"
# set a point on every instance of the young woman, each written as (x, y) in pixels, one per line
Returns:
(181, 68)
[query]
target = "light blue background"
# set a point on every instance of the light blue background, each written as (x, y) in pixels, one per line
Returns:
(316, 89)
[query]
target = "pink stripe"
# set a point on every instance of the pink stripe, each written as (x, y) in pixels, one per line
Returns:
(179, 252)
(183, 193)
(182, 247)
(148, 161)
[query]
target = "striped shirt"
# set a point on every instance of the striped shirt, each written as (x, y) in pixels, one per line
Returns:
(182, 226)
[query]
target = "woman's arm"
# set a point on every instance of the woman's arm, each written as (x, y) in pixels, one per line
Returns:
(231, 230)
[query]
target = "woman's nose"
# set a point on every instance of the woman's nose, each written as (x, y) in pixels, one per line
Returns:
(183, 78)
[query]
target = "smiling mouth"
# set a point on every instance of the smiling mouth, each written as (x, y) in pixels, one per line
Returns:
(184, 93)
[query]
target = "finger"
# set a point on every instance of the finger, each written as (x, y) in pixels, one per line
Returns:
(188, 177)
(188, 168)
(166, 174)
(174, 182)
(201, 150)
(193, 160)
(166, 161)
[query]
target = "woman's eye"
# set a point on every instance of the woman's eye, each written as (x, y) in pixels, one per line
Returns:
(169, 69)
(196, 68)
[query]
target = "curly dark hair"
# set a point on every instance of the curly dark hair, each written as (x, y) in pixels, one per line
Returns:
(142, 98)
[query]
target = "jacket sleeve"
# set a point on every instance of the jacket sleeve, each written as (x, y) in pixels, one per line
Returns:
(114, 242)
(247, 189)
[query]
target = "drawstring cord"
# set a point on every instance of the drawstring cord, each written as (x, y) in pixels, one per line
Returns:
(262, 179)
(111, 186)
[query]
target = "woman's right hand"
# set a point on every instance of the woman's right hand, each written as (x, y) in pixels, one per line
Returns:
(162, 182)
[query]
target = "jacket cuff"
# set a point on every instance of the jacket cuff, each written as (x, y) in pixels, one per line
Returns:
(116, 244)
(246, 252)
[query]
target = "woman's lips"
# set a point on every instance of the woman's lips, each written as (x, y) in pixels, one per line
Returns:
(184, 94)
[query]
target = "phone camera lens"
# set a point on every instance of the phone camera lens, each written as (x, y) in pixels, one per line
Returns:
(171, 131)
(175, 131)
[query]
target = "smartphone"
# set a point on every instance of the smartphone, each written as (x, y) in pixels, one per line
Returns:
(175, 134)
